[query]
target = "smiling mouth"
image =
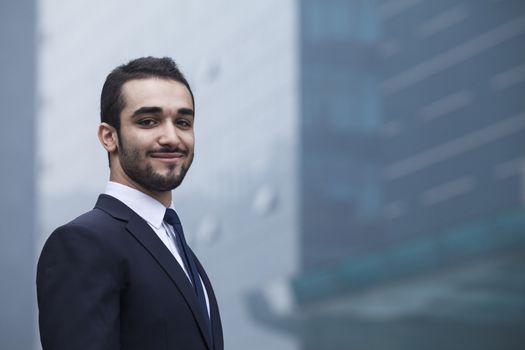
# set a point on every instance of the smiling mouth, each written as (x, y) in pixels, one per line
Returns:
(168, 157)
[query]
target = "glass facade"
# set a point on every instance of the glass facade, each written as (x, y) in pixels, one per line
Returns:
(411, 158)
(340, 152)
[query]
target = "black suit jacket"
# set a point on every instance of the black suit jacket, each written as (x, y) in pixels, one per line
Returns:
(106, 281)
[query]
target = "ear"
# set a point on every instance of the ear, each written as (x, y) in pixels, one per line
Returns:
(108, 137)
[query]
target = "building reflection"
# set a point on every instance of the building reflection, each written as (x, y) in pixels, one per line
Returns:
(411, 196)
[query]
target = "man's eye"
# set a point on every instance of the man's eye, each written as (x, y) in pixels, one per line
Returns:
(146, 122)
(183, 123)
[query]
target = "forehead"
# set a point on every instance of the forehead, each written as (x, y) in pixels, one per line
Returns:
(155, 92)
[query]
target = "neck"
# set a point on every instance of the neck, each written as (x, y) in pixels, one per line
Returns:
(163, 197)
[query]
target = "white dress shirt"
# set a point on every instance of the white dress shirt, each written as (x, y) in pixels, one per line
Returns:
(153, 212)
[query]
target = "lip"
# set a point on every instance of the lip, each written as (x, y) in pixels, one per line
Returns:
(168, 157)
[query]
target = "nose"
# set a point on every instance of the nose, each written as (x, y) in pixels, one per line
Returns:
(168, 135)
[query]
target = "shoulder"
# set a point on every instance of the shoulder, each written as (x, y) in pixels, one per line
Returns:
(94, 230)
(93, 242)
(100, 232)
(93, 223)
(95, 220)
(81, 247)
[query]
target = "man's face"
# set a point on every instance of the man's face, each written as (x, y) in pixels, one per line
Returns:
(156, 139)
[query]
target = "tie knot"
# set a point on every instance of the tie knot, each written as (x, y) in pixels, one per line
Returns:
(171, 217)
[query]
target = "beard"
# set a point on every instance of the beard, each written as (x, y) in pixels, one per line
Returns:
(136, 167)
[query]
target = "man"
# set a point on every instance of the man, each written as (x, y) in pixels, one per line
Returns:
(122, 276)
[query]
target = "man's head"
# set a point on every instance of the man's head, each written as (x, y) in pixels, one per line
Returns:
(112, 101)
(147, 114)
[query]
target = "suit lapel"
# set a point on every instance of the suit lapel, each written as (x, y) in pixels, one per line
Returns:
(140, 229)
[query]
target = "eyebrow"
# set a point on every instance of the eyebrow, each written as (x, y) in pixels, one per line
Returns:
(146, 110)
(158, 110)
(186, 111)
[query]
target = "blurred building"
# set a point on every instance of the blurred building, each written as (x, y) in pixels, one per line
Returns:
(17, 179)
(412, 156)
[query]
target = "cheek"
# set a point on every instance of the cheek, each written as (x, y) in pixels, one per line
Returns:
(141, 141)
(135, 147)
(188, 141)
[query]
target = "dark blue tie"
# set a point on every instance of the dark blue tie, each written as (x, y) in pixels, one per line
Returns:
(172, 218)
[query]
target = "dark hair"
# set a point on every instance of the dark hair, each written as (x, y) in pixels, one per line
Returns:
(111, 99)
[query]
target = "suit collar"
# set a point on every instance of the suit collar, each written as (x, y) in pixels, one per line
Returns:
(114, 207)
(140, 229)
(147, 207)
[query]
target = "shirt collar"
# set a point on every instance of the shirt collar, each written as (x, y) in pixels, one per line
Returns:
(145, 206)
